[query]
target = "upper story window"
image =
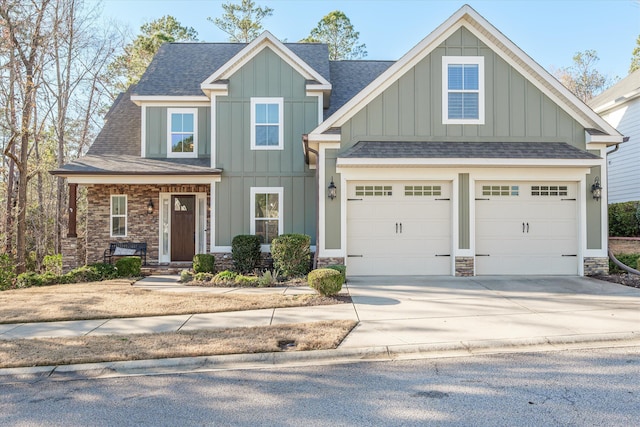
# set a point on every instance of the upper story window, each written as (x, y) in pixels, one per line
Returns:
(463, 90)
(182, 134)
(266, 124)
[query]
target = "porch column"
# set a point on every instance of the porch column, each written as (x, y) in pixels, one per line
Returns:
(73, 191)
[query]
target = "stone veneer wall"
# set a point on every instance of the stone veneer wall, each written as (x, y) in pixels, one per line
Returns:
(625, 245)
(594, 266)
(464, 266)
(323, 262)
(70, 258)
(141, 226)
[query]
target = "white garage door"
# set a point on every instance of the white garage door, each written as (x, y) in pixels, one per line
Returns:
(399, 228)
(526, 228)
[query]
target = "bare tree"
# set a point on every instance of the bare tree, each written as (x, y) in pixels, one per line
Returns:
(25, 29)
(582, 78)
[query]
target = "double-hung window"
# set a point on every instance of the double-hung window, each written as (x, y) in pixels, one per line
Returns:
(266, 213)
(266, 124)
(118, 215)
(182, 133)
(463, 90)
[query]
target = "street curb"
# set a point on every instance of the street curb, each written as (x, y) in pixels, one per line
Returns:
(305, 358)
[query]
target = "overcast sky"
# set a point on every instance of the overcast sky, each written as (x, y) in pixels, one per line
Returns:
(550, 31)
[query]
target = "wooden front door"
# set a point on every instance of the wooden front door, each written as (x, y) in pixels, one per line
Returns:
(183, 228)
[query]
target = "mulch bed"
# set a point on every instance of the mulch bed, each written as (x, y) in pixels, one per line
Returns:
(631, 280)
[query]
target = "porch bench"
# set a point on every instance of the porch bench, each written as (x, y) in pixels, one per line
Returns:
(122, 249)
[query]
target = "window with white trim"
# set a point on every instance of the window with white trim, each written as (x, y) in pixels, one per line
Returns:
(267, 131)
(463, 90)
(182, 132)
(118, 215)
(266, 213)
(500, 190)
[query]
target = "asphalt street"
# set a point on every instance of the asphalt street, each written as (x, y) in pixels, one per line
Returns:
(577, 387)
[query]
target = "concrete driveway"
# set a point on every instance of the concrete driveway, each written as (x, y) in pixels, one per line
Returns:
(447, 313)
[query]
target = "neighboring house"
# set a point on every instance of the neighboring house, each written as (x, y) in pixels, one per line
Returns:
(620, 106)
(463, 157)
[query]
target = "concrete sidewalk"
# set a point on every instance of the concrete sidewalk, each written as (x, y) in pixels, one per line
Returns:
(401, 317)
(185, 322)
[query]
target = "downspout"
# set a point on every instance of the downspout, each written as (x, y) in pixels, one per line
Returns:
(307, 149)
(612, 257)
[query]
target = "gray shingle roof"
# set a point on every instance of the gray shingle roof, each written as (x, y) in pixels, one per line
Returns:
(178, 69)
(350, 77)
(121, 131)
(116, 164)
(465, 150)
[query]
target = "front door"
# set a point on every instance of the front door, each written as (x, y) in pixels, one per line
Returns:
(183, 228)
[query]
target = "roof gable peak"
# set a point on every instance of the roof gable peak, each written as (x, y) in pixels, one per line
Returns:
(264, 40)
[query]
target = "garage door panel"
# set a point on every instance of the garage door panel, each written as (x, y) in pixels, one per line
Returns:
(400, 232)
(529, 228)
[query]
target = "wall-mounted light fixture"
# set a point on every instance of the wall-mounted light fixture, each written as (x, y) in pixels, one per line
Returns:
(150, 207)
(596, 189)
(332, 190)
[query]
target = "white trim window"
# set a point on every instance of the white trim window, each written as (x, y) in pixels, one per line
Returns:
(118, 215)
(266, 213)
(463, 90)
(182, 132)
(267, 131)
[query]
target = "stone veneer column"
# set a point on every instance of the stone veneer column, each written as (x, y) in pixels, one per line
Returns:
(69, 253)
(594, 266)
(464, 266)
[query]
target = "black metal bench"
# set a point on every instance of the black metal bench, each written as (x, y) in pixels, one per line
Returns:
(122, 249)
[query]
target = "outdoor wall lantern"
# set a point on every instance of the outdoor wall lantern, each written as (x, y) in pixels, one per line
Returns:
(332, 190)
(596, 189)
(150, 207)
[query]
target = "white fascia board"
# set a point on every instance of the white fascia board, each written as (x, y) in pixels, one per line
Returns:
(504, 47)
(325, 138)
(344, 162)
(604, 139)
(311, 87)
(618, 102)
(266, 39)
(219, 88)
(142, 179)
(164, 100)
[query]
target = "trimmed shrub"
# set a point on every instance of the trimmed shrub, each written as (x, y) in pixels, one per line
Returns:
(224, 277)
(203, 263)
(630, 260)
(129, 266)
(342, 269)
(53, 264)
(326, 281)
(291, 254)
(186, 276)
(7, 272)
(624, 219)
(203, 277)
(29, 279)
(246, 280)
(103, 271)
(245, 252)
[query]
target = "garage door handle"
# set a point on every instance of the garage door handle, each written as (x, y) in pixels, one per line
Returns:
(354, 256)
(443, 254)
(483, 255)
(570, 255)
(400, 228)
(527, 228)
(523, 227)
(396, 228)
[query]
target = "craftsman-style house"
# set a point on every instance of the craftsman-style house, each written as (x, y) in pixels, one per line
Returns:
(464, 157)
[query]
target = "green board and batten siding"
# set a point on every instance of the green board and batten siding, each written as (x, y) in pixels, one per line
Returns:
(411, 110)
(244, 168)
(156, 132)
